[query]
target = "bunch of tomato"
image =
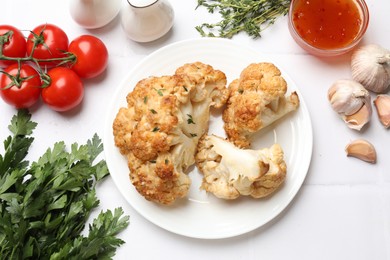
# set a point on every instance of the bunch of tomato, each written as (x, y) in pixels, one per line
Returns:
(46, 65)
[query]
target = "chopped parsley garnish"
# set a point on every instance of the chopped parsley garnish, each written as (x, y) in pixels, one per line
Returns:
(190, 120)
(160, 91)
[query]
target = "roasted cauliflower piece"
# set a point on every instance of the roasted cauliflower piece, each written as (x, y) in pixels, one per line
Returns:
(159, 130)
(257, 99)
(229, 171)
(210, 84)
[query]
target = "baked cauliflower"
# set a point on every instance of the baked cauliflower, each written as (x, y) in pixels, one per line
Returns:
(229, 171)
(160, 128)
(256, 100)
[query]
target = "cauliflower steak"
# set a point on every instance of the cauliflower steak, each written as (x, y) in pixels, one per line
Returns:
(159, 130)
(256, 100)
(230, 171)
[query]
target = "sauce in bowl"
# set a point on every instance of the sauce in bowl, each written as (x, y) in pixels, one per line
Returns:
(328, 24)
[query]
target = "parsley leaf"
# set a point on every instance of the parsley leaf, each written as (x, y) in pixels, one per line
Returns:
(101, 241)
(45, 204)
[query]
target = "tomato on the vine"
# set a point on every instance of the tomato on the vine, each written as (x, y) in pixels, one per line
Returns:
(65, 91)
(47, 41)
(20, 88)
(14, 44)
(91, 56)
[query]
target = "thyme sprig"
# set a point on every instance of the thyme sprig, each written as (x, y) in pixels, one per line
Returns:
(250, 16)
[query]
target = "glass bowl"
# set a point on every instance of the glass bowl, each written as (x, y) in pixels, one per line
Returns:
(322, 19)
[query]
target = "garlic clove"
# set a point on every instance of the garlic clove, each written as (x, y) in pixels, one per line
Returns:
(351, 101)
(361, 149)
(370, 67)
(347, 96)
(382, 104)
(360, 118)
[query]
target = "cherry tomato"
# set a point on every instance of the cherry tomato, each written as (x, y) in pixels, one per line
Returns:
(65, 91)
(14, 44)
(51, 42)
(23, 90)
(91, 56)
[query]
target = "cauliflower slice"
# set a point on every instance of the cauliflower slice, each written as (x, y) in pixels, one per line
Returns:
(160, 128)
(230, 171)
(256, 100)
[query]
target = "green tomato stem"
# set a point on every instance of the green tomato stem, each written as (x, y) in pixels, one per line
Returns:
(70, 59)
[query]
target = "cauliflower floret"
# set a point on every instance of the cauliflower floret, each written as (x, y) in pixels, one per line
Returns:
(209, 91)
(256, 100)
(161, 180)
(210, 83)
(160, 128)
(230, 171)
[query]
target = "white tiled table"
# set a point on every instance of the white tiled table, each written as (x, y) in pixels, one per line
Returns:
(342, 210)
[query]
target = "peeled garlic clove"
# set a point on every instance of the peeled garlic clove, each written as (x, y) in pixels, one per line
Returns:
(370, 67)
(362, 150)
(360, 118)
(382, 104)
(347, 96)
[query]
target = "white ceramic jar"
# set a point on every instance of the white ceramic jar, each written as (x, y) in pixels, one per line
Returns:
(92, 14)
(146, 20)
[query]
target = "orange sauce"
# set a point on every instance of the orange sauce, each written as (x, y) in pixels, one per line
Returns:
(327, 24)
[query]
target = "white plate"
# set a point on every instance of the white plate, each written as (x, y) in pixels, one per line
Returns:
(202, 215)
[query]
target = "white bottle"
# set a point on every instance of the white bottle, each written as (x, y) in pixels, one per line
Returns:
(146, 20)
(92, 14)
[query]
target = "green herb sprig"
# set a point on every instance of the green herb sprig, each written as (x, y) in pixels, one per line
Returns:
(250, 16)
(45, 204)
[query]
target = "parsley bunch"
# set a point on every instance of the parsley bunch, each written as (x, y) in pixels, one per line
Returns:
(251, 16)
(45, 205)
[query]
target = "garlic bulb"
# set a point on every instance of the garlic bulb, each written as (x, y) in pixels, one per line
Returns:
(382, 105)
(351, 101)
(370, 66)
